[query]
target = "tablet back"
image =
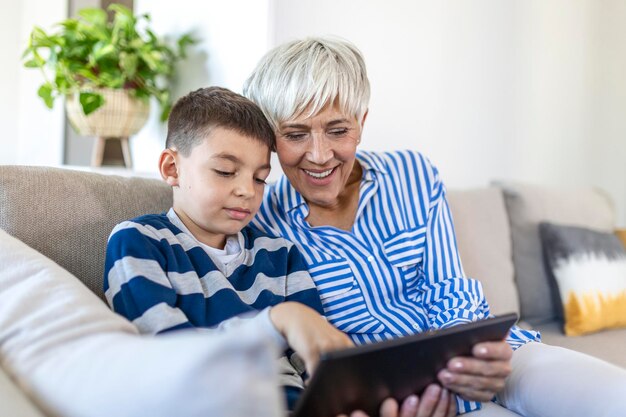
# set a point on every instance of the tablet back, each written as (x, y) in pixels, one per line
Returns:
(360, 378)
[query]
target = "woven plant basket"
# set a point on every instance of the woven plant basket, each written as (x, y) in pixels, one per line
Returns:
(121, 115)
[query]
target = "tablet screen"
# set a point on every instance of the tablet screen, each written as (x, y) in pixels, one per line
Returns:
(360, 378)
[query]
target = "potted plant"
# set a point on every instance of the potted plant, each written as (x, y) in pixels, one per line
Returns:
(106, 69)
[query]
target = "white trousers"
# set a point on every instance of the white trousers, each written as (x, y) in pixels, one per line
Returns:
(550, 381)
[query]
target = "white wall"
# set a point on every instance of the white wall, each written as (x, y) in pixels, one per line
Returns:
(489, 89)
(31, 134)
(9, 54)
(531, 90)
(39, 138)
(234, 36)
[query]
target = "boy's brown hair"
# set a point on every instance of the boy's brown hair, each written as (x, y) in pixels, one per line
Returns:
(194, 116)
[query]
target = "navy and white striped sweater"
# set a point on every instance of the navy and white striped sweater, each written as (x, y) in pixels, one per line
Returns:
(161, 279)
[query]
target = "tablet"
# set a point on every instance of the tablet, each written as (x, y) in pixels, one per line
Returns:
(360, 378)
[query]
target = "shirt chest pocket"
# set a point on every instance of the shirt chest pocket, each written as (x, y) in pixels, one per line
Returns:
(406, 249)
(342, 298)
(332, 278)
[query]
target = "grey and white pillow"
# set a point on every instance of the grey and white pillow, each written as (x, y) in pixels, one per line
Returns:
(589, 268)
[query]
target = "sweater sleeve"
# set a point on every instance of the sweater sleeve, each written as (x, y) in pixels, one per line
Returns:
(299, 284)
(136, 282)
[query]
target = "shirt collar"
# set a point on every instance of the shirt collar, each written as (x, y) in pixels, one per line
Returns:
(290, 198)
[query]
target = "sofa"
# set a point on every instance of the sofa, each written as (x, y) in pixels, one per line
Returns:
(67, 216)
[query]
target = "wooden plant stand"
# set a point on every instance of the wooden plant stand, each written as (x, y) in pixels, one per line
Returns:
(111, 151)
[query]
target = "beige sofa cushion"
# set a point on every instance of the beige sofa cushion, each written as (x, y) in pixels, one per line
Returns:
(68, 215)
(482, 231)
(527, 206)
(608, 345)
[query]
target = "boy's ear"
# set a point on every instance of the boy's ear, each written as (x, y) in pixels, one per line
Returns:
(168, 166)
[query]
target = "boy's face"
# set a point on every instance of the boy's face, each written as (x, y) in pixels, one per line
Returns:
(219, 186)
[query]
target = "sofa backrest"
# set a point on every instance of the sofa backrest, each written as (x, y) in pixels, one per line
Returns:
(68, 215)
(483, 237)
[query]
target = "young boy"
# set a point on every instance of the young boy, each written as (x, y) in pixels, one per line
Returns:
(200, 265)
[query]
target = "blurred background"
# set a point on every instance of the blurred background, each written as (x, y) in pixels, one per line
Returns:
(526, 90)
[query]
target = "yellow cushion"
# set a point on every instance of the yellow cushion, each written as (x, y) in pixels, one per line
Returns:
(621, 234)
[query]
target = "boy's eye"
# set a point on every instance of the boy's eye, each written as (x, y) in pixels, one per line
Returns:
(224, 173)
(260, 181)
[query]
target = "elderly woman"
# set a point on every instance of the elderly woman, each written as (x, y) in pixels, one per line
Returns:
(377, 234)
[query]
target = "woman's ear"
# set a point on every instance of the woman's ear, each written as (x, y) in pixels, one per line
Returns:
(168, 167)
(364, 117)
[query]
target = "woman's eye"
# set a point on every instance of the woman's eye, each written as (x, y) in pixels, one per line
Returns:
(224, 173)
(338, 132)
(260, 181)
(295, 136)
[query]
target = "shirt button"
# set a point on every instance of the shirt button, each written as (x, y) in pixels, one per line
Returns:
(416, 326)
(387, 300)
(370, 258)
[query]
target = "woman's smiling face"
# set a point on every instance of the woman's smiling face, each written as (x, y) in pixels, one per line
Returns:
(318, 153)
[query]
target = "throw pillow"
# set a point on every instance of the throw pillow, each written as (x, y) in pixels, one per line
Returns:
(590, 271)
(76, 358)
(527, 206)
(621, 234)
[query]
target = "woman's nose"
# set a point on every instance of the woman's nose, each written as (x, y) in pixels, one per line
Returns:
(320, 150)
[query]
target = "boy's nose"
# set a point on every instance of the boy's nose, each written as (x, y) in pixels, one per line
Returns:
(244, 188)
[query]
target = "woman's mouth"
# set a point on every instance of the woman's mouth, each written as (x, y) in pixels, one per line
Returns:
(319, 175)
(320, 178)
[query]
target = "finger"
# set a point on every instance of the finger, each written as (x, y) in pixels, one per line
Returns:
(442, 406)
(311, 364)
(480, 367)
(428, 401)
(499, 350)
(409, 406)
(472, 394)
(389, 408)
(357, 413)
(452, 381)
(452, 406)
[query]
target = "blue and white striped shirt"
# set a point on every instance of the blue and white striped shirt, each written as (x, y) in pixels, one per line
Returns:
(162, 279)
(398, 270)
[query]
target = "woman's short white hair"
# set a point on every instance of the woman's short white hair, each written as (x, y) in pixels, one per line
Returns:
(305, 76)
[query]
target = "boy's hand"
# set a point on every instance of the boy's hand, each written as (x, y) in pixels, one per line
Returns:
(307, 332)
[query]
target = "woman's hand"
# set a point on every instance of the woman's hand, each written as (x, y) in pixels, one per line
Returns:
(434, 402)
(307, 332)
(480, 377)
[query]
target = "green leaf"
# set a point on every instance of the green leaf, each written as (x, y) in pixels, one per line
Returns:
(90, 101)
(101, 50)
(33, 63)
(128, 63)
(119, 9)
(165, 112)
(38, 35)
(97, 17)
(185, 41)
(45, 92)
